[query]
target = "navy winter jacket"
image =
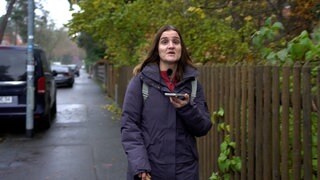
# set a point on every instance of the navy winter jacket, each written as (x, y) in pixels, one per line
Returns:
(157, 137)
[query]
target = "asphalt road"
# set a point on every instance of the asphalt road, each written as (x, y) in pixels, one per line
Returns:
(82, 144)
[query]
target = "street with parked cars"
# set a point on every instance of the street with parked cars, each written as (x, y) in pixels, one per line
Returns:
(83, 141)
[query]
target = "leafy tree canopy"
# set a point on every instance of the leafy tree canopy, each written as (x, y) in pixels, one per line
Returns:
(214, 31)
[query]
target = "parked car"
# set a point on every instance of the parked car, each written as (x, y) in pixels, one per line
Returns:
(13, 85)
(64, 75)
(75, 69)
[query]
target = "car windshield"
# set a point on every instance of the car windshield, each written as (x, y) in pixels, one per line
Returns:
(12, 65)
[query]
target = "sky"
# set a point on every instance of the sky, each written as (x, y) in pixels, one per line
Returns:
(58, 10)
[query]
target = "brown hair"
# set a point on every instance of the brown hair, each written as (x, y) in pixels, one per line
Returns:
(153, 54)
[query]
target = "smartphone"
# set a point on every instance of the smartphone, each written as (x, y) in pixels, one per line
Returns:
(174, 94)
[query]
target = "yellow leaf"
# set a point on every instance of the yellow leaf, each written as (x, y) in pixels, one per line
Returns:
(229, 18)
(248, 18)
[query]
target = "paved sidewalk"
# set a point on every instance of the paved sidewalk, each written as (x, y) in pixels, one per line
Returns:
(82, 144)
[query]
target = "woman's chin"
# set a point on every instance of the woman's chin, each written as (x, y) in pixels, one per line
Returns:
(171, 61)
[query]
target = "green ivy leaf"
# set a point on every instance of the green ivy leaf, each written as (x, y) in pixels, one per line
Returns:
(214, 176)
(224, 166)
(282, 54)
(223, 146)
(297, 51)
(277, 26)
(232, 144)
(226, 177)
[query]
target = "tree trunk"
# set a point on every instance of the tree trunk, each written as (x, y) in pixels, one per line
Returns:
(5, 18)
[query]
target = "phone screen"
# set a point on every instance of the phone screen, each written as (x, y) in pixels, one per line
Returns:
(174, 94)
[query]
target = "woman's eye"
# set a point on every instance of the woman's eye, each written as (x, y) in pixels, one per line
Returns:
(176, 41)
(164, 42)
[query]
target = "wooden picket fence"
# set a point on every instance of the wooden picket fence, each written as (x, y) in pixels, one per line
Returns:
(273, 112)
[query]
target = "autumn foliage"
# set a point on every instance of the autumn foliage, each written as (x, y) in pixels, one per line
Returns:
(214, 31)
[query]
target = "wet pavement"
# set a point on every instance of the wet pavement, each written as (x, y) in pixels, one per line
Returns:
(82, 144)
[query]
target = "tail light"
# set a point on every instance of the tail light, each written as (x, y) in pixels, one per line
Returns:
(42, 85)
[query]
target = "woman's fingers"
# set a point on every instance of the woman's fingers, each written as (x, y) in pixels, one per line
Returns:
(178, 103)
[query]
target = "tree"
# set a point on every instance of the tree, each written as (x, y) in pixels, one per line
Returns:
(214, 31)
(55, 42)
(4, 19)
(94, 51)
(15, 19)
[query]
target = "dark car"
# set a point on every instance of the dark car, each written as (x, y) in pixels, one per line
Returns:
(64, 75)
(75, 69)
(13, 85)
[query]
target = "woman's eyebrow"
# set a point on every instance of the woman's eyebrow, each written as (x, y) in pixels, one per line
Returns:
(175, 37)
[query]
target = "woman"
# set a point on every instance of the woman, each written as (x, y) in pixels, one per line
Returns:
(158, 133)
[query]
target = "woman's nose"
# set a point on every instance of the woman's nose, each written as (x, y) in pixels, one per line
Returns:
(171, 44)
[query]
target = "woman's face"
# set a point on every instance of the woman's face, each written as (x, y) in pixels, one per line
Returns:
(169, 47)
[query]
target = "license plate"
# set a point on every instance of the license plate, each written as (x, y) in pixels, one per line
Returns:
(5, 99)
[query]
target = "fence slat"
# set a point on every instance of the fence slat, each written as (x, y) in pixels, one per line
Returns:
(307, 130)
(259, 115)
(237, 115)
(202, 141)
(231, 101)
(267, 128)
(285, 123)
(227, 94)
(244, 95)
(251, 123)
(231, 106)
(207, 144)
(296, 106)
(318, 110)
(275, 123)
(211, 133)
(221, 98)
(215, 108)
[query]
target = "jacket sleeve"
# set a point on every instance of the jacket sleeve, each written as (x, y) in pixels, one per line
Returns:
(196, 116)
(131, 135)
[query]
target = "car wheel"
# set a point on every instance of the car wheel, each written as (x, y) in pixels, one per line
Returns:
(71, 84)
(45, 122)
(54, 109)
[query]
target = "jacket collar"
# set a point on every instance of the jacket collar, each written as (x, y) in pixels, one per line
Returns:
(152, 72)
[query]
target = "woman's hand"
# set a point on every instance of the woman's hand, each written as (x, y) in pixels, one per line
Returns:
(179, 103)
(144, 176)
